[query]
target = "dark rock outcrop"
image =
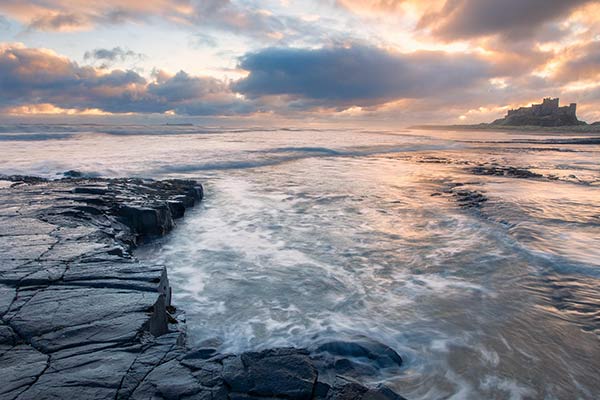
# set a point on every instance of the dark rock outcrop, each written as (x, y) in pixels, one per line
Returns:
(76, 309)
(496, 170)
(464, 194)
(81, 318)
(381, 354)
(287, 373)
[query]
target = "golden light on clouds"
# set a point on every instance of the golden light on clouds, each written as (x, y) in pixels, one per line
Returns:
(50, 109)
(375, 58)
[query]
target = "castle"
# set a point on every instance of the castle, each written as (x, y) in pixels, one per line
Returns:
(549, 113)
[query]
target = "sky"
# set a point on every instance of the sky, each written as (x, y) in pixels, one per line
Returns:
(394, 62)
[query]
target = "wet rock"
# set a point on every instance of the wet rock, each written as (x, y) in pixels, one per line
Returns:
(379, 353)
(359, 360)
(158, 323)
(147, 221)
(20, 367)
(72, 174)
(466, 196)
(355, 391)
(171, 380)
(99, 190)
(80, 317)
(21, 179)
(287, 373)
(7, 336)
(82, 375)
(469, 198)
(494, 170)
(177, 208)
(77, 312)
(192, 358)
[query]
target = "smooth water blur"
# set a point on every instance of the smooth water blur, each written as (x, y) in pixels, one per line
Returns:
(309, 235)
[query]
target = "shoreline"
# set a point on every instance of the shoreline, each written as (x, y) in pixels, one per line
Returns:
(575, 129)
(81, 317)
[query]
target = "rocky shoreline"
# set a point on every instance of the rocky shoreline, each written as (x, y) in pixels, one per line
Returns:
(81, 318)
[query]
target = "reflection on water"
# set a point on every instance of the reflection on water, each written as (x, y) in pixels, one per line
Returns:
(306, 236)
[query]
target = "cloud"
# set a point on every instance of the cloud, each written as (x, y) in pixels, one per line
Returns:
(514, 19)
(114, 54)
(4, 24)
(357, 75)
(37, 76)
(56, 14)
(330, 82)
(579, 63)
(245, 18)
(59, 22)
(105, 58)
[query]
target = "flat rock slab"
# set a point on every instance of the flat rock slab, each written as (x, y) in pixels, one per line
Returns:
(81, 318)
(76, 308)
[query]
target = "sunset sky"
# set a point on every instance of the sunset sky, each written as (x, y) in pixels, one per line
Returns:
(396, 61)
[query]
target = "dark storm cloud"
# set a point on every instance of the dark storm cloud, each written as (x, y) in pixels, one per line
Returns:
(358, 75)
(183, 86)
(515, 19)
(33, 76)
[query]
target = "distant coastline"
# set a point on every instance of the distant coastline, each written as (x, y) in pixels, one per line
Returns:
(546, 117)
(593, 128)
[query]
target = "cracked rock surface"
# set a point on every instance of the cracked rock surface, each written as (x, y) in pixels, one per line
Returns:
(81, 318)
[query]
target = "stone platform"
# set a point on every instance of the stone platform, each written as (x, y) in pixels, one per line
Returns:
(81, 318)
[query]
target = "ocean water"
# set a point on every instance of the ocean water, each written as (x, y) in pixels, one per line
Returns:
(309, 235)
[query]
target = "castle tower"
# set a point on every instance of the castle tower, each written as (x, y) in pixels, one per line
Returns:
(573, 109)
(549, 106)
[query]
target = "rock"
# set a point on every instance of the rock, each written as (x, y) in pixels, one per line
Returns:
(158, 323)
(7, 336)
(20, 368)
(509, 171)
(147, 221)
(195, 358)
(282, 373)
(78, 314)
(177, 208)
(20, 179)
(355, 391)
(72, 174)
(91, 190)
(464, 196)
(469, 198)
(381, 354)
(168, 381)
(80, 317)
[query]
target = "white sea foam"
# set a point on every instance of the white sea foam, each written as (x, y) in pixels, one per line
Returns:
(314, 235)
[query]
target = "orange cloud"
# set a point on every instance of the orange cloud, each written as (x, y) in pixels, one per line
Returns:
(389, 7)
(51, 109)
(74, 15)
(63, 15)
(40, 81)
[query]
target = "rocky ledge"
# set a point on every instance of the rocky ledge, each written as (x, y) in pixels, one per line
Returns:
(81, 318)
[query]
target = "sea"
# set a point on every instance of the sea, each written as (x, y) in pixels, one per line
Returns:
(475, 255)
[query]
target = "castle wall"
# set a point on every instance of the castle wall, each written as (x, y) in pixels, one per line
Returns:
(548, 113)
